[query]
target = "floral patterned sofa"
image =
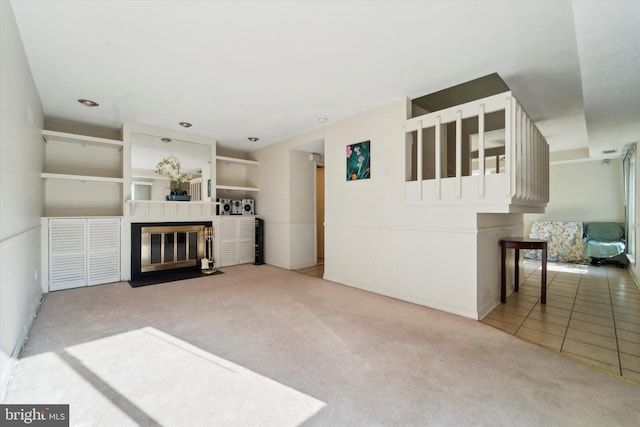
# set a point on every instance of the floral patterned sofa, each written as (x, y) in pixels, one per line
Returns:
(564, 240)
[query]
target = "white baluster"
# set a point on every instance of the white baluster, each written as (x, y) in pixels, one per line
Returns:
(458, 154)
(419, 160)
(438, 159)
(481, 149)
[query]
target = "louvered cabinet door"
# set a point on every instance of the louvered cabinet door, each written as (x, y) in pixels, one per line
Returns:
(229, 233)
(67, 254)
(237, 240)
(103, 244)
(246, 241)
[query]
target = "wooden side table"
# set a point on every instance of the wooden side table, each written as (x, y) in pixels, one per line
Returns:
(518, 243)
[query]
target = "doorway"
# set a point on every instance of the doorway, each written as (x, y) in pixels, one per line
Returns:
(317, 270)
(308, 189)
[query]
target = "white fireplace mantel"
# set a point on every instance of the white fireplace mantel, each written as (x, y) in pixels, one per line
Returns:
(151, 210)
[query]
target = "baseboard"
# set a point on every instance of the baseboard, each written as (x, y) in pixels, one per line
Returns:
(5, 380)
(21, 297)
(278, 264)
(633, 276)
(12, 360)
(487, 308)
(413, 299)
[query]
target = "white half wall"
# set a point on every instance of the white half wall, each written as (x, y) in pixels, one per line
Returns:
(414, 264)
(21, 159)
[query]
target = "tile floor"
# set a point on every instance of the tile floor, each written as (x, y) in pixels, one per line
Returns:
(592, 315)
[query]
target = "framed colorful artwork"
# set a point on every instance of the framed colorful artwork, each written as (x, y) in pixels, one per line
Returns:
(359, 161)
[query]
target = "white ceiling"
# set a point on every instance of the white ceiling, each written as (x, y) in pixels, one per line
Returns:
(270, 69)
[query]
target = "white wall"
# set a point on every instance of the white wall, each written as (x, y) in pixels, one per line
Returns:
(272, 202)
(492, 228)
(634, 267)
(302, 198)
(584, 191)
(373, 240)
(21, 158)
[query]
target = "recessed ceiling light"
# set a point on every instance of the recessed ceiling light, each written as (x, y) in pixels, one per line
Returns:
(185, 124)
(253, 139)
(88, 102)
(323, 119)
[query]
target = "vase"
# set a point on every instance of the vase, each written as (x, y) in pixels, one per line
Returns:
(180, 198)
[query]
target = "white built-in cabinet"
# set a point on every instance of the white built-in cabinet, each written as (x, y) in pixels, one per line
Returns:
(236, 232)
(82, 184)
(83, 181)
(81, 251)
(82, 176)
(237, 240)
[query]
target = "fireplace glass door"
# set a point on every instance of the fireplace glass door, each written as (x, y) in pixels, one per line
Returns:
(167, 247)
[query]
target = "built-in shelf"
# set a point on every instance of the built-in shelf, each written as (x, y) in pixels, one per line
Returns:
(82, 175)
(70, 138)
(231, 174)
(69, 177)
(237, 161)
(236, 188)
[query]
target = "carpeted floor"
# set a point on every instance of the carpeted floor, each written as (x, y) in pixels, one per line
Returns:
(262, 346)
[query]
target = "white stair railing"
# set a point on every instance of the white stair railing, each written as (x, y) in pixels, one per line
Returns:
(522, 185)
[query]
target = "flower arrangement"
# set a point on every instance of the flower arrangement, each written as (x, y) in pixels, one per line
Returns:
(170, 168)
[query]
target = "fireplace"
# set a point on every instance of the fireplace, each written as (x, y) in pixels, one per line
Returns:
(159, 249)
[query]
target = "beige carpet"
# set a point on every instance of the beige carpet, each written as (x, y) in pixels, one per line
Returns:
(262, 346)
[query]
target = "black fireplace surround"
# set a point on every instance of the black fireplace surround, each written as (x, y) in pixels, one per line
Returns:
(141, 278)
